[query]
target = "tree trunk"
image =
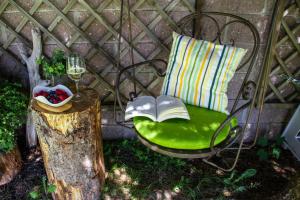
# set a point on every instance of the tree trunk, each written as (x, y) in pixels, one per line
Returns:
(34, 79)
(296, 189)
(10, 165)
(71, 145)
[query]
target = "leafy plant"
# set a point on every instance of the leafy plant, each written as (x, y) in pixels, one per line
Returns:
(55, 66)
(136, 172)
(13, 107)
(182, 184)
(143, 171)
(151, 159)
(223, 186)
(42, 191)
(235, 182)
(268, 149)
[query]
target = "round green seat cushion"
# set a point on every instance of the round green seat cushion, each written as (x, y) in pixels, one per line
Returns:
(185, 134)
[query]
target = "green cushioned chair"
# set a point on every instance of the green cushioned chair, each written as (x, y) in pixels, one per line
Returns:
(208, 133)
(194, 134)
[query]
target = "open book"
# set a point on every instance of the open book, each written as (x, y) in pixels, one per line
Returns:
(159, 109)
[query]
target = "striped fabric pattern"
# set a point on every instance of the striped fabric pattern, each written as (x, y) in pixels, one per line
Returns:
(199, 72)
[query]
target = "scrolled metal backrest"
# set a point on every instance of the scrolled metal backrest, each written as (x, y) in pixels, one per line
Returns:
(131, 95)
(247, 86)
(220, 30)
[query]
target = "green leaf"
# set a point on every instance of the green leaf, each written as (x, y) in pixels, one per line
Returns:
(263, 142)
(227, 181)
(276, 152)
(51, 70)
(38, 61)
(13, 109)
(34, 195)
(241, 189)
(56, 65)
(279, 141)
(262, 154)
(51, 188)
(247, 174)
(44, 180)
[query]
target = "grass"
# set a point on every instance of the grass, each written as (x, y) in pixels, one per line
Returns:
(135, 172)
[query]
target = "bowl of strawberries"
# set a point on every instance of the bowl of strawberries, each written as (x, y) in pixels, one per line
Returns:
(53, 96)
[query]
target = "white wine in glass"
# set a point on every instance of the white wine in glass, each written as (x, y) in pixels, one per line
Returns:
(75, 69)
(76, 73)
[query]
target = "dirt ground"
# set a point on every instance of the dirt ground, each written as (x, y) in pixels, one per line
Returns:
(277, 179)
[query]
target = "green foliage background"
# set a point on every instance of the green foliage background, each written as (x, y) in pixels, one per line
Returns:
(55, 66)
(268, 149)
(13, 107)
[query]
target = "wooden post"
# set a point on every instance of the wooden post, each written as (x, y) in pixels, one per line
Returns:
(72, 150)
(34, 78)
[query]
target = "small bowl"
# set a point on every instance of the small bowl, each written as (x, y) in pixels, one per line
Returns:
(43, 99)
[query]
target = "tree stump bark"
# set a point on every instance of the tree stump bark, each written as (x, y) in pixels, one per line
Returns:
(10, 165)
(72, 150)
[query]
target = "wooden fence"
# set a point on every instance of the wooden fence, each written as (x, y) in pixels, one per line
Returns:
(285, 56)
(91, 29)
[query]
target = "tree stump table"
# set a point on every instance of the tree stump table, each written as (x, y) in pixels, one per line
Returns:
(72, 150)
(10, 165)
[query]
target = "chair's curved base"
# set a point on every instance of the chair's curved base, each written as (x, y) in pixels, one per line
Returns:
(205, 154)
(178, 153)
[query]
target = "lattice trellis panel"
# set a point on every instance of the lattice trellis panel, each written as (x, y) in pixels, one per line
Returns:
(286, 58)
(90, 27)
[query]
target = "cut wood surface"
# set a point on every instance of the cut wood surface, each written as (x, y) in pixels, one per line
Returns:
(71, 145)
(10, 165)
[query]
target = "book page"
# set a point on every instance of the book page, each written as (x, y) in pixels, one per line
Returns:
(170, 107)
(144, 106)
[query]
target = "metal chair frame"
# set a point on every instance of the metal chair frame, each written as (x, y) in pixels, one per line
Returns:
(236, 133)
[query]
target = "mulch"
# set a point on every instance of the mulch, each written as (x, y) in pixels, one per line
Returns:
(277, 179)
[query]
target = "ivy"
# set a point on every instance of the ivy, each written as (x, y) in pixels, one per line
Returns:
(43, 191)
(13, 107)
(55, 66)
(267, 150)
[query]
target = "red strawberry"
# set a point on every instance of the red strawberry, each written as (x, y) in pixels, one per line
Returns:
(43, 93)
(40, 93)
(62, 97)
(60, 92)
(55, 101)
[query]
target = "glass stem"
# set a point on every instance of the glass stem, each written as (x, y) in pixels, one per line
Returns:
(52, 80)
(77, 88)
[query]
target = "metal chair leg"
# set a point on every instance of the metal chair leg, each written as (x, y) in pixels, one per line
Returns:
(229, 169)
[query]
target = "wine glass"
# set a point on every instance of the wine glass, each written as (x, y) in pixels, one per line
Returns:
(75, 69)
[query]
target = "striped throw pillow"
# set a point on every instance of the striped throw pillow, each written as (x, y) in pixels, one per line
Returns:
(199, 71)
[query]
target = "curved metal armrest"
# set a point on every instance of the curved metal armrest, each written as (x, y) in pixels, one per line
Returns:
(158, 71)
(227, 120)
